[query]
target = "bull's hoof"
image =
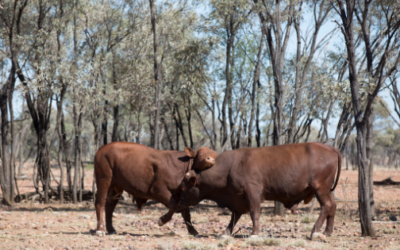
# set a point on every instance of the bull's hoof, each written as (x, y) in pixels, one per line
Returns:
(317, 236)
(100, 233)
(160, 223)
(112, 232)
(194, 233)
(327, 233)
(224, 236)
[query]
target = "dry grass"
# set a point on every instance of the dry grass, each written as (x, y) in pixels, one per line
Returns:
(389, 231)
(226, 241)
(308, 219)
(298, 243)
(254, 242)
(189, 245)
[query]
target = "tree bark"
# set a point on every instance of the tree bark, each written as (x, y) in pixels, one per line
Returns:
(77, 152)
(253, 92)
(157, 77)
(62, 142)
(5, 164)
(364, 207)
(114, 136)
(371, 164)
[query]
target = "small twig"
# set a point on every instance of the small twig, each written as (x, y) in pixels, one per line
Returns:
(343, 31)
(386, 222)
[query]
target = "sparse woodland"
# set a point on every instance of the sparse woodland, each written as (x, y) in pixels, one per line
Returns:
(75, 75)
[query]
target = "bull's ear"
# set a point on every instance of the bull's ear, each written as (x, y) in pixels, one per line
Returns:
(190, 152)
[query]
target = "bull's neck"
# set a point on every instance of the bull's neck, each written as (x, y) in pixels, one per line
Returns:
(182, 161)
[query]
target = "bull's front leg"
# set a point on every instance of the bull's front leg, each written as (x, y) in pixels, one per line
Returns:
(166, 217)
(186, 217)
(163, 195)
(234, 219)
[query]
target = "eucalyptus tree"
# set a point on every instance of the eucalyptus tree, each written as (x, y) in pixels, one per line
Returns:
(305, 55)
(6, 166)
(225, 20)
(32, 27)
(379, 48)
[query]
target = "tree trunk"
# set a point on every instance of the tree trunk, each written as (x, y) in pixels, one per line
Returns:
(189, 121)
(104, 122)
(77, 152)
(371, 164)
(5, 164)
(227, 96)
(364, 207)
(61, 143)
(171, 146)
(12, 136)
(253, 92)
(157, 75)
(258, 130)
(43, 161)
(114, 136)
(298, 90)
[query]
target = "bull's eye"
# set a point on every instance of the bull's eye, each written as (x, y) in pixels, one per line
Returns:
(208, 158)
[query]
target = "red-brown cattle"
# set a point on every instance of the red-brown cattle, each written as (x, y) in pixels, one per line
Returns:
(145, 173)
(241, 179)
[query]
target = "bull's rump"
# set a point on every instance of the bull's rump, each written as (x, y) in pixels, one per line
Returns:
(128, 164)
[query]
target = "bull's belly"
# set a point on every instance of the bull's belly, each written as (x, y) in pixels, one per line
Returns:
(289, 198)
(233, 201)
(138, 188)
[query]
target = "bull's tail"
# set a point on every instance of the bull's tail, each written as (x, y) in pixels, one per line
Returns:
(339, 168)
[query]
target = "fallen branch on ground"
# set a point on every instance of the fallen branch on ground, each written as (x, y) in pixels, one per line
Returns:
(387, 182)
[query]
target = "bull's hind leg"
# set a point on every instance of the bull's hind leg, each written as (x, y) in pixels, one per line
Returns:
(325, 201)
(114, 193)
(254, 199)
(330, 218)
(186, 217)
(234, 219)
(103, 185)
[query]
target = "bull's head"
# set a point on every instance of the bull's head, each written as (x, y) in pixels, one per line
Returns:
(203, 158)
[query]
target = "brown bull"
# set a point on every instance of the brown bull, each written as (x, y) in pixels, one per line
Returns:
(241, 179)
(145, 173)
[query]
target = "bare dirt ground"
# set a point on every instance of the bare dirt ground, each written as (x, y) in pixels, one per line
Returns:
(32, 225)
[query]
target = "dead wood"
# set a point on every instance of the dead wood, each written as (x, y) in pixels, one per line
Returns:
(54, 194)
(387, 182)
